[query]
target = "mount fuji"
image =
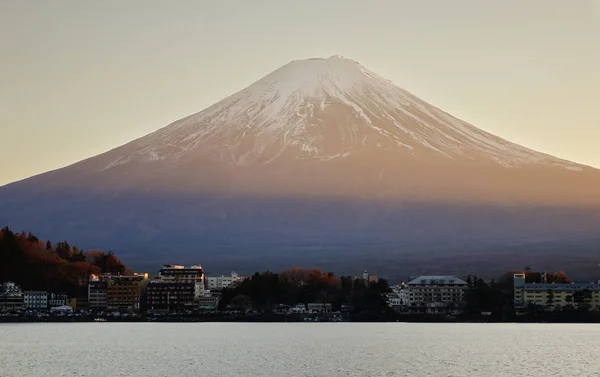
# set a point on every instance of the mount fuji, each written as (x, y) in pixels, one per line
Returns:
(320, 163)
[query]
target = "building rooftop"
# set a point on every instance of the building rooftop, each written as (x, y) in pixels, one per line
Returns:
(437, 280)
(561, 287)
(179, 267)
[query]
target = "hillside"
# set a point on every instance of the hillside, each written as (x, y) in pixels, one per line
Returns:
(38, 265)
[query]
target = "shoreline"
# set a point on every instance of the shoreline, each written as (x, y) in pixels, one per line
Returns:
(281, 319)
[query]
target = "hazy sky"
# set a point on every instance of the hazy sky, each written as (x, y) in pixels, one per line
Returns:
(78, 78)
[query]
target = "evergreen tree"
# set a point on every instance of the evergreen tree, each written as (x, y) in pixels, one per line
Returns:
(550, 299)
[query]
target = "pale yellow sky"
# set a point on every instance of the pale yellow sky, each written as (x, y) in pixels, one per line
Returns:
(78, 78)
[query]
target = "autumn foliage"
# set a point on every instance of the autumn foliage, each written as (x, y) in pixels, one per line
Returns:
(38, 265)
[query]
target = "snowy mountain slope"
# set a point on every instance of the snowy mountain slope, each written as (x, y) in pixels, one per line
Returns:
(325, 109)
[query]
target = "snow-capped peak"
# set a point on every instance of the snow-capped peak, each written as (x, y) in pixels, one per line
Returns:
(325, 109)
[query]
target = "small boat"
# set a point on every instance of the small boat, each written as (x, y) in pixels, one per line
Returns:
(99, 319)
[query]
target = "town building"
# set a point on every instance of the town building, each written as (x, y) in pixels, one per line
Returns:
(394, 301)
(97, 292)
(319, 307)
(11, 296)
(124, 292)
(208, 302)
(181, 274)
(367, 278)
(116, 292)
(554, 296)
(57, 300)
(217, 283)
(61, 310)
(398, 299)
(35, 300)
(172, 297)
(436, 294)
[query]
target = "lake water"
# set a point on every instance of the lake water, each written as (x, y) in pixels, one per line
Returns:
(311, 349)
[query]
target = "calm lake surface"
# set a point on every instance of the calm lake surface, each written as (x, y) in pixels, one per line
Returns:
(311, 349)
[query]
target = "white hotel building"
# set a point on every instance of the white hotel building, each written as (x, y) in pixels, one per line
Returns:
(436, 294)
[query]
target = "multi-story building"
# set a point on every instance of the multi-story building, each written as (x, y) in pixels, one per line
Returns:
(169, 296)
(394, 301)
(554, 296)
(116, 292)
(56, 300)
(208, 302)
(11, 296)
(35, 300)
(217, 283)
(181, 274)
(97, 291)
(399, 298)
(123, 293)
(436, 294)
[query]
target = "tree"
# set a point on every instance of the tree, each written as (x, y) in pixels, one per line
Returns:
(241, 302)
(582, 299)
(550, 299)
(77, 255)
(558, 278)
(63, 250)
(569, 300)
(108, 263)
(31, 238)
(32, 267)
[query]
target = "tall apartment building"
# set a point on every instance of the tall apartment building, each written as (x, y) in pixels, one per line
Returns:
(177, 288)
(97, 292)
(181, 274)
(554, 296)
(217, 283)
(436, 294)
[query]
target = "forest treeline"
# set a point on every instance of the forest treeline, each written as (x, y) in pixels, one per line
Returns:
(34, 264)
(264, 291)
